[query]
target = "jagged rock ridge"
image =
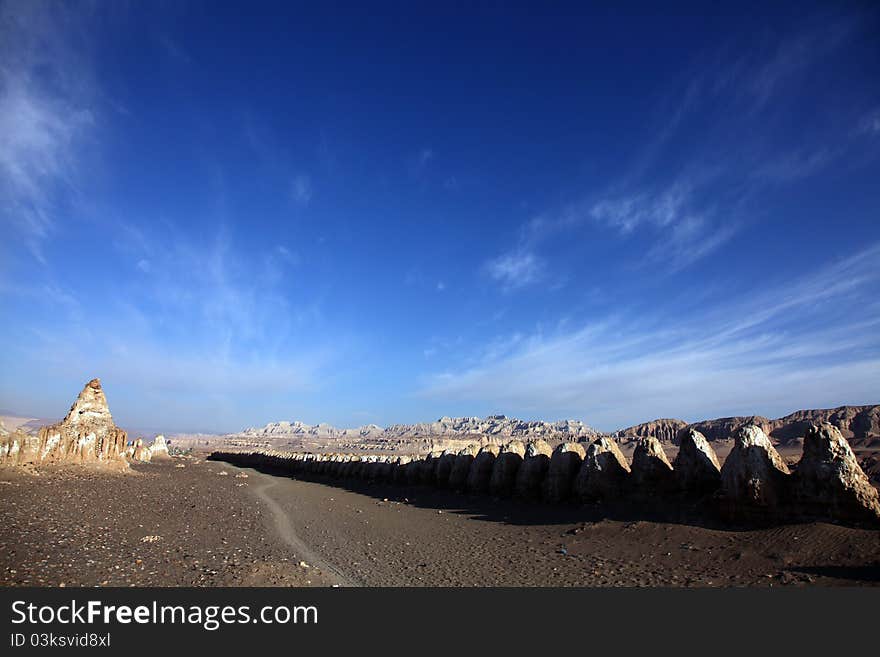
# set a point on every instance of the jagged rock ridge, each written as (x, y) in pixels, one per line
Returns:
(860, 425)
(494, 425)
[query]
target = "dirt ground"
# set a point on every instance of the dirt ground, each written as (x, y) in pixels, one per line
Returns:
(79, 527)
(159, 525)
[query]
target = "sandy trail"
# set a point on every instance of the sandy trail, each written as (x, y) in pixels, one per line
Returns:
(268, 485)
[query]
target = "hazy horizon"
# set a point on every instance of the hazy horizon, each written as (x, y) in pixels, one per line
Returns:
(391, 215)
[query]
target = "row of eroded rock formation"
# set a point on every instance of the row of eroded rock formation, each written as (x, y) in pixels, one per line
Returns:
(753, 484)
(87, 434)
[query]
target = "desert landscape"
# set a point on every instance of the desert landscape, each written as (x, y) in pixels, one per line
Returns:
(731, 502)
(432, 294)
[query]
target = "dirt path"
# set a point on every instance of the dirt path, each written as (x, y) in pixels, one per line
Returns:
(264, 491)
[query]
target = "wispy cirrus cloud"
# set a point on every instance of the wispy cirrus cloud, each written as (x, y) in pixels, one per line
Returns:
(515, 269)
(714, 148)
(46, 115)
(806, 342)
(202, 321)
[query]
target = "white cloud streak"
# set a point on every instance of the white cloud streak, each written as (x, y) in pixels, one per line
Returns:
(45, 117)
(515, 269)
(812, 342)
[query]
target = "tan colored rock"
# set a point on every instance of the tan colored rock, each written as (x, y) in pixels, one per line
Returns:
(11, 447)
(829, 483)
(462, 467)
(533, 470)
(505, 468)
(565, 463)
(142, 453)
(159, 449)
(663, 429)
(696, 467)
(650, 469)
(604, 474)
(86, 434)
(754, 478)
(481, 469)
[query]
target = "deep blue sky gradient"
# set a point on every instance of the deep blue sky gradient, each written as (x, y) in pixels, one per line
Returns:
(237, 213)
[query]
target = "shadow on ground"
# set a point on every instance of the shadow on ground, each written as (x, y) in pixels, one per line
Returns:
(516, 511)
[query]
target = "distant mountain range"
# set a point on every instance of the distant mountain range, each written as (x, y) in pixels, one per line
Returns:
(494, 425)
(859, 424)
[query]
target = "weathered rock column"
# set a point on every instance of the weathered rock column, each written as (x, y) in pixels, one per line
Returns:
(605, 473)
(755, 482)
(696, 467)
(829, 483)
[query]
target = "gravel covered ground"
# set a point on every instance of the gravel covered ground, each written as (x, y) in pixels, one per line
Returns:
(170, 526)
(159, 525)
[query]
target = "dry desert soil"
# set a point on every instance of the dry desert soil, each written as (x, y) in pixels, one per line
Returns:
(167, 525)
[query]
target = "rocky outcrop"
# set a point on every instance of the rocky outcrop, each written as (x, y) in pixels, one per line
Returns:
(481, 470)
(828, 482)
(604, 474)
(696, 467)
(651, 470)
(754, 478)
(428, 468)
(858, 424)
(141, 452)
(159, 449)
(462, 466)
(505, 468)
(447, 432)
(87, 434)
(444, 468)
(664, 430)
(564, 465)
(18, 447)
(530, 477)
(398, 473)
(755, 483)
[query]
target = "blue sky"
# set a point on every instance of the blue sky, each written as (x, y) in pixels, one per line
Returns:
(241, 214)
